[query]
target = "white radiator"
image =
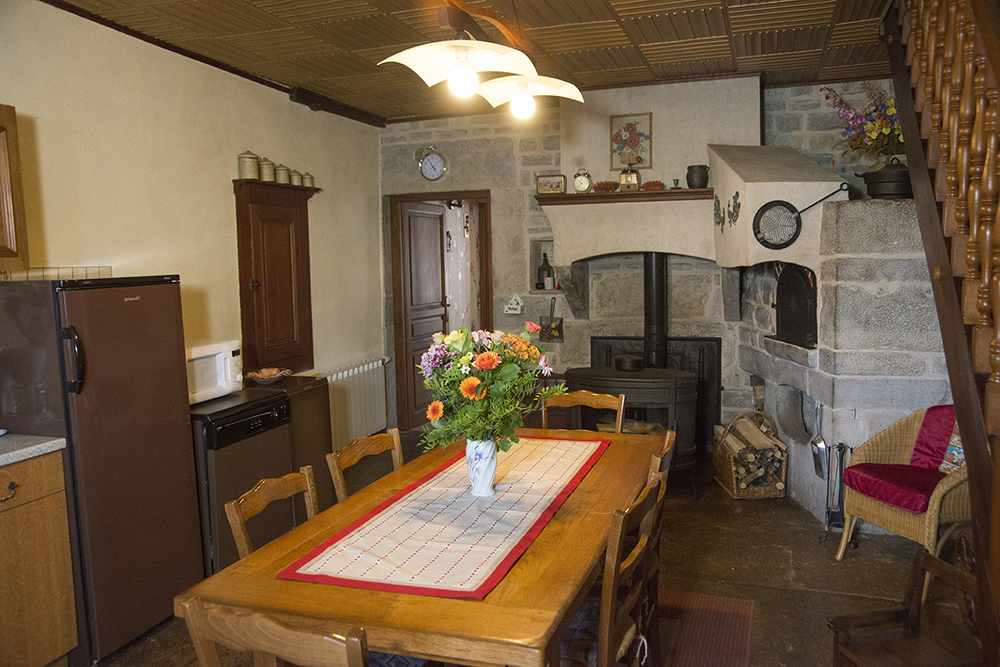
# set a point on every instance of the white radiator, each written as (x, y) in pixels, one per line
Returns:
(357, 401)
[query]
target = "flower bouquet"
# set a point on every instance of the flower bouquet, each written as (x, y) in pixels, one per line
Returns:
(875, 129)
(483, 383)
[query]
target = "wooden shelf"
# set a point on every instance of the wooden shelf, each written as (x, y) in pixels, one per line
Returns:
(265, 185)
(680, 194)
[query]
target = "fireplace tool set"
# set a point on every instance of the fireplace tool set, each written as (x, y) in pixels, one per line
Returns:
(828, 462)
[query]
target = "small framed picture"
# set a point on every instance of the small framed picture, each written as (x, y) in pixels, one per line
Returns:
(550, 184)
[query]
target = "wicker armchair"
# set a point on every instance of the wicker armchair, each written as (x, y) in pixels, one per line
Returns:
(949, 503)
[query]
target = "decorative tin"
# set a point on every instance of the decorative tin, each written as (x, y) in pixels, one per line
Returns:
(281, 174)
(249, 165)
(307, 180)
(295, 177)
(266, 170)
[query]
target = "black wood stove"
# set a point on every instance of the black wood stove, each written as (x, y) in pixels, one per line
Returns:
(653, 392)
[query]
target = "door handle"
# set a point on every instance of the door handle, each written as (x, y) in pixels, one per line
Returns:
(254, 284)
(76, 386)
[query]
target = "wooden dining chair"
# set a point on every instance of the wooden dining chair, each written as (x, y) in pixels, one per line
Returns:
(266, 491)
(269, 637)
(589, 399)
(357, 449)
(616, 625)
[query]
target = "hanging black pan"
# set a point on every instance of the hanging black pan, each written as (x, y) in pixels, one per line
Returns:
(777, 224)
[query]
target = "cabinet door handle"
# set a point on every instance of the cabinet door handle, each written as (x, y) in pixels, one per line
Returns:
(13, 489)
(254, 284)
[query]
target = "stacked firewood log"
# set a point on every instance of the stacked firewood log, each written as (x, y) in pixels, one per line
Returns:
(758, 457)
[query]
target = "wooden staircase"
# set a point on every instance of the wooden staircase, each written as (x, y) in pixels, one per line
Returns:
(946, 55)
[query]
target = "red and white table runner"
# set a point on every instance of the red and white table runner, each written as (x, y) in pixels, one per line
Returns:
(434, 538)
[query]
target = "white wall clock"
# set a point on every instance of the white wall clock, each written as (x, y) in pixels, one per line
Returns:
(432, 165)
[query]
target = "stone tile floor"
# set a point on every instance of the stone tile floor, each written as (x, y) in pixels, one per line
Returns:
(769, 551)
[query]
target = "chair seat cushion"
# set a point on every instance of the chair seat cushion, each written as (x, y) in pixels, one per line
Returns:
(904, 486)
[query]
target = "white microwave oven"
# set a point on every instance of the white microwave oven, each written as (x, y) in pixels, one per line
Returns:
(213, 370)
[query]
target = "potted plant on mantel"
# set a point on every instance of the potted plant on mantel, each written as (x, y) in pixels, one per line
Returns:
(483, 383)
(875, 131)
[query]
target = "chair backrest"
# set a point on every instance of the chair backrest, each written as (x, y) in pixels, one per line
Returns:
(269, 638)
(625, 606)
(589, 399)
(357, 449)
(253, 502)
(660, 462)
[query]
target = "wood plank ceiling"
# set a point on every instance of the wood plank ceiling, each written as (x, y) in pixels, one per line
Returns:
(318, 49)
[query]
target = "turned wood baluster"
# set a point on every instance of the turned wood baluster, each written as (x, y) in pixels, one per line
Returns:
(958, 175)
(932, 77)
(929, 30)
(950, 106)
(988, 216)
(937, 147)
(916, 44)
(906, 22)
(971, 208)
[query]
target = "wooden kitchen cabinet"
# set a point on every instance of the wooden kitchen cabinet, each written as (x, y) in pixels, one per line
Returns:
(272, 236)
(38, 618)
(13, 229)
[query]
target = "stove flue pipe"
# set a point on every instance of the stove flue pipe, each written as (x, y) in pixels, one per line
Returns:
(654, 272)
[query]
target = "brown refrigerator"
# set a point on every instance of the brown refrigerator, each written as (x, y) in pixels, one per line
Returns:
(101, 363)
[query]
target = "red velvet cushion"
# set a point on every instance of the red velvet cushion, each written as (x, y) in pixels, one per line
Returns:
(906, 487)
(934, 436)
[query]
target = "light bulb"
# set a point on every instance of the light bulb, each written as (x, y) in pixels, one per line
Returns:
(463, 80)
(523, 104)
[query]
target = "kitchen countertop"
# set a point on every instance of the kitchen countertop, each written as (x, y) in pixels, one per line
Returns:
(15, 448)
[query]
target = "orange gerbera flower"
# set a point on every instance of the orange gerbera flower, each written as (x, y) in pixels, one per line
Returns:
(469, 386)
(487, 360)
(435, 410)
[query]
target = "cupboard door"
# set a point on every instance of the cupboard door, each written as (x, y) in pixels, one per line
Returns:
(13, 229)
(36, 576)
(272, 223)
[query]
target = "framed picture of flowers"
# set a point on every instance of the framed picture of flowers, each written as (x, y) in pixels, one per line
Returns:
(632, 141)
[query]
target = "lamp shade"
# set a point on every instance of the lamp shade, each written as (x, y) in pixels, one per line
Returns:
(503, 89)
(434, 62)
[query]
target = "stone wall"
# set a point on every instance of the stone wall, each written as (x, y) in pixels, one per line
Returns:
(802, 117)
(496, 153)
(879, 354)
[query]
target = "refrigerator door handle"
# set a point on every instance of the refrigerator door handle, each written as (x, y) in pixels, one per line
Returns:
(76, 386)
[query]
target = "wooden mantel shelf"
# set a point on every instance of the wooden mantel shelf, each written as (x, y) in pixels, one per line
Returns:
(680, 194)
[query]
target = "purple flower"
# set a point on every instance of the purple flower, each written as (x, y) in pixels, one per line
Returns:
(432, 358)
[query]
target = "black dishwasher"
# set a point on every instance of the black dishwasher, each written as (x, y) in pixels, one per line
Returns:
(239, 440)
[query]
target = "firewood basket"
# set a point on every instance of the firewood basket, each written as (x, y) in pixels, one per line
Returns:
(725, 464)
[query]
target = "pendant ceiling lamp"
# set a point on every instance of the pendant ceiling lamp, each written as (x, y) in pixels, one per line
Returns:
(459, 61)
(519, 91)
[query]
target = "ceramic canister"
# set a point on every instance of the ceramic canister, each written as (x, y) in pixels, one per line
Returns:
(266, 170)
(249, 165)
(295, 177)
(307, 180)
(281, 174)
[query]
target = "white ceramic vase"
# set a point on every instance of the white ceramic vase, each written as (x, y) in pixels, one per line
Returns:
(481, 456)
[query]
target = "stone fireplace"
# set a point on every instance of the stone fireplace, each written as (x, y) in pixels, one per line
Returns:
(869, 354)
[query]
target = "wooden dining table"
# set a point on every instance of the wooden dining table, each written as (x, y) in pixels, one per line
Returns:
(519, 623)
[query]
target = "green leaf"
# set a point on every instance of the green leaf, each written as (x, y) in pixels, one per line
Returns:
(509, 371)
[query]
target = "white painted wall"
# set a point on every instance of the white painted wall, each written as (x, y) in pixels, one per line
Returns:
(687, 117)
(128, 153)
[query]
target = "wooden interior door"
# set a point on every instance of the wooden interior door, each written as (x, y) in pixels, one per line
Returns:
(418, 265)
(272, 223)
